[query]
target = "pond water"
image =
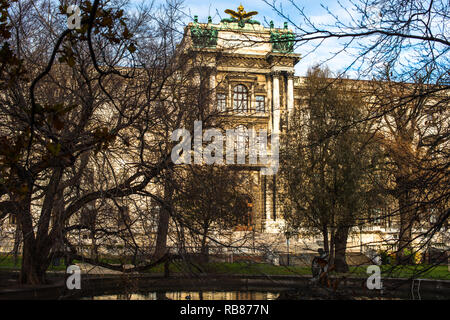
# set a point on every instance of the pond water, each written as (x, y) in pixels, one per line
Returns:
(190, 295)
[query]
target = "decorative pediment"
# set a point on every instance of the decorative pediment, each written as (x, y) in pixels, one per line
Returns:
(235, 77)
(245, 62)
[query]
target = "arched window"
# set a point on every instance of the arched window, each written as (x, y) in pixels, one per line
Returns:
(240, 98)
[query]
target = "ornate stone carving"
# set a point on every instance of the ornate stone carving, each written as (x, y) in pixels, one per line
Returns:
(276, 73)
(290, 75)
(249, 63)
(260, 88)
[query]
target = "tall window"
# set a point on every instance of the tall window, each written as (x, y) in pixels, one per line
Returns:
(221, 102)
(124, 219)
(244, 212)
(240, 98)
(241, 143)
(88, 215)
(260, 104)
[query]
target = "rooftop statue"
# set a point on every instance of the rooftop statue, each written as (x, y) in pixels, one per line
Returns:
(204, 36)
(282, 39)
(241, 16)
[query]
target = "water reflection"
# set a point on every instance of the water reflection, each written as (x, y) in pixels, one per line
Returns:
(191, 295)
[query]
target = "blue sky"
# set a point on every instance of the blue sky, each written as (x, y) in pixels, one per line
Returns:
(215, 9)
(204, 8)
(316, 12)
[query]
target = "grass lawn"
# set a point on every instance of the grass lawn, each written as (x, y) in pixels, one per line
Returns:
(418, 271)
(7, 263)
(236, 268)
(246, 268)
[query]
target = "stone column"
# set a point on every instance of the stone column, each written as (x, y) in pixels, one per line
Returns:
(276, 102)
(269, 102)
(230, 98)
(268, 198)
(290, 96)
(212, 90)
(275, 130)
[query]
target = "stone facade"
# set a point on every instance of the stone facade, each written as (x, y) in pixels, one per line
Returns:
(248, 57)
(262, 60)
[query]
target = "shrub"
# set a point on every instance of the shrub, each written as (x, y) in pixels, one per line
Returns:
(412, 257)
(385, 257)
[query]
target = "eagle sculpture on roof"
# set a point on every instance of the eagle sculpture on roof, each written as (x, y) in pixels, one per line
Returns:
(241, 15)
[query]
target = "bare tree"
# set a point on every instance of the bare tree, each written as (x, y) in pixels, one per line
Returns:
(89, 128)
(209, 202)
(402, 46)
(329, 177)
(413, 135)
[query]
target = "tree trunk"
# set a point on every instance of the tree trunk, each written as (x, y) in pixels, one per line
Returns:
(406, 224)
(161, 238)
(34, 259)
(33, 266)
(331, 245)
(17, 242)
(94, 248)
(163, 223)
(204, 251)
(340, 239)
(326, 246)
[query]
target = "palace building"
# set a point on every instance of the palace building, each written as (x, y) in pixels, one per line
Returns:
(252, 73)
